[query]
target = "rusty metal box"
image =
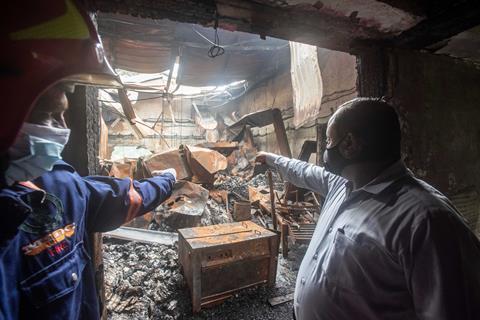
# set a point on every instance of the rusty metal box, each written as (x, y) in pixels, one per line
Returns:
(241, 211)
(221, 259)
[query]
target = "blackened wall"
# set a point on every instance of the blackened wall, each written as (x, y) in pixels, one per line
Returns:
(438, 99)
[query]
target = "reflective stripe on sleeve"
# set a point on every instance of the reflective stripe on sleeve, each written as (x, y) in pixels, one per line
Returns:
(135, 203)
(30, 185)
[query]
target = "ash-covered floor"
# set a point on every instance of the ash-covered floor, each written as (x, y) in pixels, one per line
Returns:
(143, 281)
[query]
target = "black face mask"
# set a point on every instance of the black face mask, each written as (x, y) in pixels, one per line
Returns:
(334, 161)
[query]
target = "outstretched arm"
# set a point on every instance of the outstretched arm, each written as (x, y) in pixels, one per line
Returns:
(300, 173)
(113, 202)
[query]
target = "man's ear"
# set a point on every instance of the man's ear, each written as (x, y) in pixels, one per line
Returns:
(351, 146)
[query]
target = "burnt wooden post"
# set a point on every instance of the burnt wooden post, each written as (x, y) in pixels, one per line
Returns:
(284, 236)
(372, 71)
(82, 150)
(281, 133)
(272, 199)
(83, 118)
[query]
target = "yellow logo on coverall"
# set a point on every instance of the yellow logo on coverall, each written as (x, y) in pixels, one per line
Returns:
(49, 240)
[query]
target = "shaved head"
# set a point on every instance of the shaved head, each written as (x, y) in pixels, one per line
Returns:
(373, 122)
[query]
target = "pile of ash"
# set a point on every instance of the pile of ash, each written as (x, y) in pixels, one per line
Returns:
(141, 281)
(215, 213)
(261, 180)
(233, 184)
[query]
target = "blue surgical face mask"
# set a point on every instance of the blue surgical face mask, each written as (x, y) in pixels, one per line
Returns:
(35, 151)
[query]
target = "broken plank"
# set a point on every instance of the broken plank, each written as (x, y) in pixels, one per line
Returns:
(239, 196)
(142, 235)
(281, 299)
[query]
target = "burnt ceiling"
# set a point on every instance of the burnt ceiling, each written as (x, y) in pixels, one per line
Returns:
(465, 45)
(343, 25)
(154, 46)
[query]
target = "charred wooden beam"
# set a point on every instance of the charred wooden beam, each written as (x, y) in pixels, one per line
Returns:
(449, 22)
(281, 133)
(415, 7)
(311, 24)
(83, 118)
(280, 300)
(426, 8)
(189, 11)
(302, 23)
(372, 74)
(308, 147)
(272, 199)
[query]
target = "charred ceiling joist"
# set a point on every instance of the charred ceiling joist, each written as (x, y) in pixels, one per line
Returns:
(338, 25)
(447, 23)
(327, 24)
(201, 12)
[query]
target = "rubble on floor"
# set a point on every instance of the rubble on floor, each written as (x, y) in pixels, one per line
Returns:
(215, 213)
(261, 180)
(194, 163)
(143, 281)
(173, 158)
(204, 163)
(200, 167)
(232, 184)
(185, 207)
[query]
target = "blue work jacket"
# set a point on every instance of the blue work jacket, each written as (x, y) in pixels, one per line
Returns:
(46, 268)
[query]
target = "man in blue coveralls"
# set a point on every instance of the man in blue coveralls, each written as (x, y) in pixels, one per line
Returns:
(387, 246)
(47, 209)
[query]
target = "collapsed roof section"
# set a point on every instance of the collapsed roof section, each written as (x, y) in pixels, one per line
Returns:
(153, 46)
(342, 25)
(162, 62)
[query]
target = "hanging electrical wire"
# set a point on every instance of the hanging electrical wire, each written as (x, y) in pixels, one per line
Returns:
(216, 50)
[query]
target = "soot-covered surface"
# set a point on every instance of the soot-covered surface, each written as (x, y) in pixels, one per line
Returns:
(143, 281)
